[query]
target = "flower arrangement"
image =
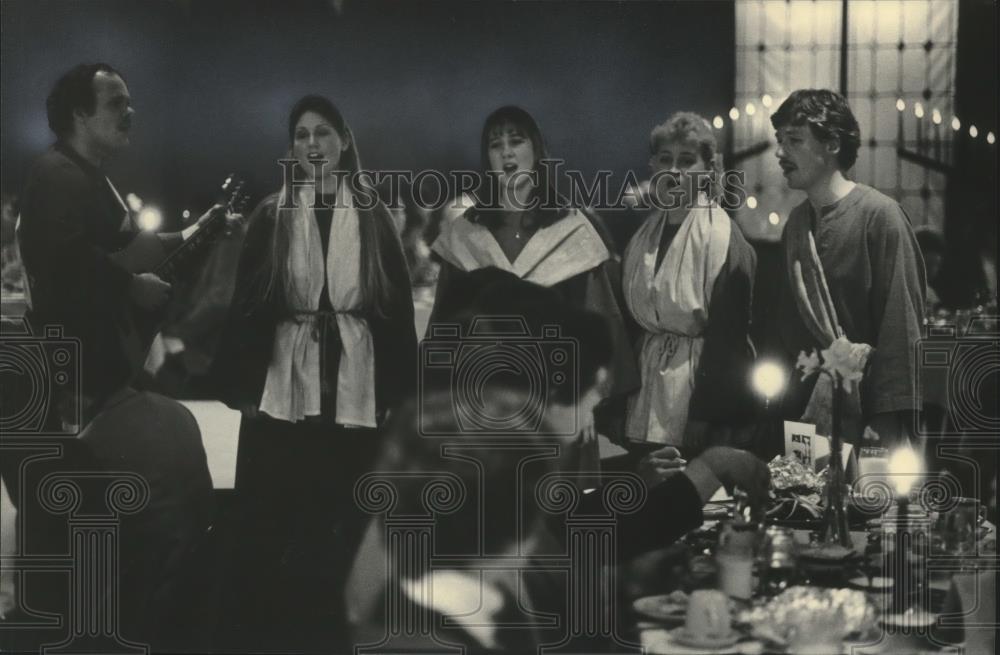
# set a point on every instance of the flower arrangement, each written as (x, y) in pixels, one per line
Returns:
(844, 358)
(844, 362)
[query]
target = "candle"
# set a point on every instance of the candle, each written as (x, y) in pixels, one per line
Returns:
(769, 380)
(904, 466)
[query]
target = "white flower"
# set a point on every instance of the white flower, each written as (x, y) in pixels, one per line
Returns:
(843, 357)
(848, 359)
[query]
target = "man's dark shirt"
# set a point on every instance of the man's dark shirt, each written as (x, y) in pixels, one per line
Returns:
(71, 219)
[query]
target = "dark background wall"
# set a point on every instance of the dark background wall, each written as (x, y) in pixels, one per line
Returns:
(971, 204)
(212, 81)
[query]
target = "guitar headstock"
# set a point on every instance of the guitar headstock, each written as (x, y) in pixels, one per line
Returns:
(235, 196)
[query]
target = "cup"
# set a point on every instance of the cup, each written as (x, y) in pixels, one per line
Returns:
(708, 615)
(873, 470)
(735, 574)
(738, 538)
(735, 558)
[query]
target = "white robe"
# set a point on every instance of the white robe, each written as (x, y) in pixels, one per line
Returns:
(671, 306)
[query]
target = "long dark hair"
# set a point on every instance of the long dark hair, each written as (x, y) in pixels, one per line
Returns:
(552, 206)
(374, 227)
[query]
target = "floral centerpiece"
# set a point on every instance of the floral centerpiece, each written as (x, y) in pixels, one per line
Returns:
(844, 364)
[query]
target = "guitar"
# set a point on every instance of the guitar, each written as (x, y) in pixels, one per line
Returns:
(146, 253)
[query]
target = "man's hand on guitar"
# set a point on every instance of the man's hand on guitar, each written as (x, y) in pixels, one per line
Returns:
(148, 291)
(233, 219)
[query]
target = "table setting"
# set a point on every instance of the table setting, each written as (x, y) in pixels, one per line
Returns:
(888, 559)
(916, 563)
(760, 588)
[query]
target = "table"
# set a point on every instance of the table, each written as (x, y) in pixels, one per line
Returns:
(968, 620)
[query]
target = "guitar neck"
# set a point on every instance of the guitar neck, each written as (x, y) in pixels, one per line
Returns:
(181, 256)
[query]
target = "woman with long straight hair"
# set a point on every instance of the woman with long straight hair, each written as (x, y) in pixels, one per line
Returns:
(320, 345)
(522, 225)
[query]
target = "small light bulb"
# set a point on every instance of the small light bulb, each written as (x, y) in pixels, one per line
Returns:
(769, 379)
(752, 202)
(734, 114)
(766, 100)
(150, 219)
(918, 110)
(990, 138)
(973, 132)
(717, 122)
(773, 218)
(900, 105)
(186, 214)
(750, 109)
(936, 117)
(955, 123)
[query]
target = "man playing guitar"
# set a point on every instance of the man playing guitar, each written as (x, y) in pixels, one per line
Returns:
(73, 219)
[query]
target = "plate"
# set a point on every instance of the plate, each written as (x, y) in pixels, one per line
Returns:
(829, 553)
(909, 619)
(877, 584)
(666, 607)
(684, 638)
(713, 511)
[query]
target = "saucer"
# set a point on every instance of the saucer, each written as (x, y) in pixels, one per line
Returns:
(684, 638)
(829, 553)
(714, 511)
(877, 584)
(909, 619)
(663, 608)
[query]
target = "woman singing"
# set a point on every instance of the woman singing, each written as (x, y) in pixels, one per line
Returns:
(320, 346)
(521, 225)
(688, 277)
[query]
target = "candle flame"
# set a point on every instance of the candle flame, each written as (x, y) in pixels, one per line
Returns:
(769, 379)
(904, 467)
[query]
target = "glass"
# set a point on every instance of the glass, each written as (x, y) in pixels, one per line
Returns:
(735, 559)
(778, 560)
(873, 469)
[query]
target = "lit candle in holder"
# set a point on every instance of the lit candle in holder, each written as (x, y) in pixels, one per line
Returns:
(904, 467)
(769, 379)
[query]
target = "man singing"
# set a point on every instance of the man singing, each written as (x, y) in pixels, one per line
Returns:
(852, 268)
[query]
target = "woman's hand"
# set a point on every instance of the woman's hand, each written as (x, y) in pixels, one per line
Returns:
(660, 464)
